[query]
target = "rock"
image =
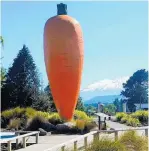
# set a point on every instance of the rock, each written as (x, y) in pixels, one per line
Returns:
(11, 129)
(62, 128)
(48, 127)
(48, 133)
(69, 124)
(42, 132)
(65, 127)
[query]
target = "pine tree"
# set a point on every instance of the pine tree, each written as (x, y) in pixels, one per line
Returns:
(22, 81)
(49, 93)
(43, 102)
(80, 105)
(3, 71)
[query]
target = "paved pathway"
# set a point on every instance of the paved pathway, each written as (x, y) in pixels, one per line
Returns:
(46, 142)
(117, 125)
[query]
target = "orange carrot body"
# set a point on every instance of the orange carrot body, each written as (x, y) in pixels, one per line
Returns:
(63, 52)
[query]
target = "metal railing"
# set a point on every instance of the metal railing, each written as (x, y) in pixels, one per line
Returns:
(95, 134)
(18, 136)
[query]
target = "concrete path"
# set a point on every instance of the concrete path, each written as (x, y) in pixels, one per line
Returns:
(47, 142)
(117, 125)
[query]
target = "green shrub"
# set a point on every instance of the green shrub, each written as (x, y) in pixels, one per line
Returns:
(45, 115)
(18, 111)
(55, 119)
(29, 116)
(134, 142)
(14, 124)
(80, 124)
(105, 144)
(90, 125)
(124, 119)
(7, 115)
(120, 115)
(132, 122)
(142, 116)
(30, 112)
(82, 116)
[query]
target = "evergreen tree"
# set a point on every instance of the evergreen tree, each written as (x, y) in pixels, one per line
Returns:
(3, 71)
(3, 76)
(49, 93)
(136, 89)
(43, 103)
(117, 104)
(22, 81)
(80, 105)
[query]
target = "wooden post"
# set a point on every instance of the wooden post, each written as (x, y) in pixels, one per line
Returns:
(146, 132)
(105, 125)
(24, 142)
(85, 143)
(37, 138)
(99, 122)
(116, 135)
(104, 118)
(75, 146)
(63, 148)
(17, 140)
(9, 145)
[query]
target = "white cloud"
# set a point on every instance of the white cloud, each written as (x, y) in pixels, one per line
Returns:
(106, 84)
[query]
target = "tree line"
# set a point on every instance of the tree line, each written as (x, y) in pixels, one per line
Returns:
(135, 91)
(21, 86)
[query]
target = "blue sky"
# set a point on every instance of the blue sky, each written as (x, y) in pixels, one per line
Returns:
(115, 35)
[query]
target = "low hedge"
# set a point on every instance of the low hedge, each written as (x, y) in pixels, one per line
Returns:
(137, 118)
(22, 118)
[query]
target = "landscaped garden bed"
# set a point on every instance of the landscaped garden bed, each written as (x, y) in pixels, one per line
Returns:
(138, 118)
(29, 119)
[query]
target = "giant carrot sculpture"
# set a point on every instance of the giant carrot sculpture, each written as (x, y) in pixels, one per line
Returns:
(63, 52)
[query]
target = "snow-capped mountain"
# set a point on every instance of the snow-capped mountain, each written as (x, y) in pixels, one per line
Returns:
(103, 87)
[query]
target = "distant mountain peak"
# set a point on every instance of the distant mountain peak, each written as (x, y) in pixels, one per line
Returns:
(104, 87)
(106, 84)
